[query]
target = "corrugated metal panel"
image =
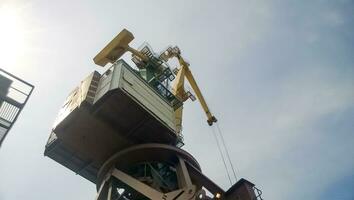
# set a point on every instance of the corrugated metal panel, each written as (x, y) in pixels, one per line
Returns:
(121, 76)
(148, 98)
(2, 132)
(84, 93)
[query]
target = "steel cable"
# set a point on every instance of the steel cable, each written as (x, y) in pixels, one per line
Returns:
(222, 155)
(227, 152)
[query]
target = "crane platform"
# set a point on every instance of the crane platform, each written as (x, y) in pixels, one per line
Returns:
(108, 113)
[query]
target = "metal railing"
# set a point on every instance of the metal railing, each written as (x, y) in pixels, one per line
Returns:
(14, 94)
(258, 193)
(157, 86)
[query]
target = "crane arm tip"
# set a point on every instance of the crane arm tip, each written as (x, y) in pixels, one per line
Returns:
(212, 120)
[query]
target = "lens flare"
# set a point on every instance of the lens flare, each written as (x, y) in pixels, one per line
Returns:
(12, 35)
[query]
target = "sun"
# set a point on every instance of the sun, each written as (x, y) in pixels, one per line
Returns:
(12, 35)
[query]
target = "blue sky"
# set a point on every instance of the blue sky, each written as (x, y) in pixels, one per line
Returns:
(279, 76)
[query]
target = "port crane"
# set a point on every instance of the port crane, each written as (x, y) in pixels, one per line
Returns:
(121, 45)
(121, 129)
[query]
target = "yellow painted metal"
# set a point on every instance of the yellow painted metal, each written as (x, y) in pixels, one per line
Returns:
(179, 92)
(137, 53)
(116, 48)
(178, 85)
(193, 83)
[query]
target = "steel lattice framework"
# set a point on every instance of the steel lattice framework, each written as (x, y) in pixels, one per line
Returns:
(14, 94)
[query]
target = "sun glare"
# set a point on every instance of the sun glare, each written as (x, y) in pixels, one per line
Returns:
(12, 35)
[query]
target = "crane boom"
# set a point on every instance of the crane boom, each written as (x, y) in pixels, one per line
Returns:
(178, 89)
(193, 83)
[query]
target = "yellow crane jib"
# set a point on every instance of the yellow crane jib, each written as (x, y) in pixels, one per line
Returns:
(178, 87)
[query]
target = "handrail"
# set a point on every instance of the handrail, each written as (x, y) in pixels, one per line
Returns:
(17, 78)
(258, 193)
(13, 114)
(175, 102)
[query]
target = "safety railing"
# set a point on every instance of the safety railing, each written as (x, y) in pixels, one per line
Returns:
(258, 193)
(158, 87)
(14, 94)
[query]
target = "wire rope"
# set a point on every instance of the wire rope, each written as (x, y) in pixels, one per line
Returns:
(227, 151)
(222, 155)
